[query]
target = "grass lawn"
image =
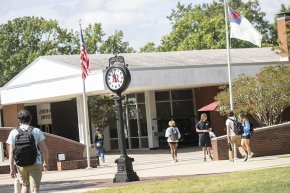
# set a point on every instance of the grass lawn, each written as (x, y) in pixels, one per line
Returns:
(272, 180)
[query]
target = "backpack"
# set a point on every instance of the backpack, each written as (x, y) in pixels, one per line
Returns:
(251, 129)
(25, 150)
(174, 134)
(238, 127)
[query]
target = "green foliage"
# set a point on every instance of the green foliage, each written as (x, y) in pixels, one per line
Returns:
(271, 180)
(115, 44)
(93, 35)
(203, 27)
(101, 110)
(22, 40)
(149, 47)
(264, 96)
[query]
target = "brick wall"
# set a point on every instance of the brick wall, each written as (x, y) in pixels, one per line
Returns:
(55, 144)
(10, 115)
(73, 150)
(205, 96)
(281, 29)
(271, 140)
(75, 164)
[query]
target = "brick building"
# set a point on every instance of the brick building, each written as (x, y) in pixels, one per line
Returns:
(164, 86)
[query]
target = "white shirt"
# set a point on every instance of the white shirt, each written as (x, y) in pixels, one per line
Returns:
(168, 132)
(231, 124)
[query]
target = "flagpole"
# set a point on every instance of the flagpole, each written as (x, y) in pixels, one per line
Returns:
(228, 57)
(86, 126)
(87, 139)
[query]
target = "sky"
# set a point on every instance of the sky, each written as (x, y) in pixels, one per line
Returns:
(141, 21)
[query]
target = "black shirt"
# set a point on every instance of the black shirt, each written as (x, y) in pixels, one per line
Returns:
(203, 125)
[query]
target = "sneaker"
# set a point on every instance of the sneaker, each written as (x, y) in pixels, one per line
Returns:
(204, 159)
(176, 160)
(251, 154)
(173, 161)
(210, 157)
(231, 160)
(245, 158)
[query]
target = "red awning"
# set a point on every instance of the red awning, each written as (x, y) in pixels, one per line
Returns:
(210, 107)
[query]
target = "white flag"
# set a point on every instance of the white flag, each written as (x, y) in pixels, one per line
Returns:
(242, 29)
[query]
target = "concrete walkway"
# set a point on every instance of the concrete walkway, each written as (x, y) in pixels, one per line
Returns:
(153, 165)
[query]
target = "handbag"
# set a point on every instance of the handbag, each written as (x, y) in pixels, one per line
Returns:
(99, 144)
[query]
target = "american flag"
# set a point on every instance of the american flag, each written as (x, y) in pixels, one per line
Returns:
(84, 59)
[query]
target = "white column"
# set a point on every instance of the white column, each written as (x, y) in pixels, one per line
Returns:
(80, 111)
(107, 139)
(152, 128)
(1, 152)
(0, 117)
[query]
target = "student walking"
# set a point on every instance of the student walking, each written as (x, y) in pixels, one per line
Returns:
(22, 144)
(246, 135)
(233, 138)
(203, 128)
(173, 135)
(99, 145)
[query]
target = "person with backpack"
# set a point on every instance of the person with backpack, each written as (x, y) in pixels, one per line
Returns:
(25, 144)
(173, 135)
(203, 129)
(233, 134)
(99, 145)
(246, 135)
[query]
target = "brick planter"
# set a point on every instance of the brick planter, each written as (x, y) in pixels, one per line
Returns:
(55, 144)
(271, 140)
(75, 164)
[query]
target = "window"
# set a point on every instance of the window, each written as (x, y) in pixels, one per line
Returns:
(162, 96)
(181, 95)
(163, 109)
(182, 108)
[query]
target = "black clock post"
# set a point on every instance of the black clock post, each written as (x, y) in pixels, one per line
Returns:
(118, 78)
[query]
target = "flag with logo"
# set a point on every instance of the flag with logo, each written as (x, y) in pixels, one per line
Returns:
(242, 29)
(84, 59)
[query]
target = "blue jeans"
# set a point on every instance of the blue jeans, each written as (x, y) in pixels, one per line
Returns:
(100, 152)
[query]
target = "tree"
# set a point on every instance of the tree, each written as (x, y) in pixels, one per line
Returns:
(149, 47)
(264, 96)
(101, 110)
(22, 40)
(115, 44)
(93, 35)
(203, 26)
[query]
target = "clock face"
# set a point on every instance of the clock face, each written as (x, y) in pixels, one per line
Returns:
(115, 78)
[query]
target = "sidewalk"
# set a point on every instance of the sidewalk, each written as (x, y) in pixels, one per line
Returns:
(150, 165)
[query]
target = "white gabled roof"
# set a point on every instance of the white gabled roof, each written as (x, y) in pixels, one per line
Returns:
(43, 69)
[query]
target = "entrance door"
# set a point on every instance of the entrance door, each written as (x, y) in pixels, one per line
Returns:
(135, 124)
(176, 105)
(136, 121)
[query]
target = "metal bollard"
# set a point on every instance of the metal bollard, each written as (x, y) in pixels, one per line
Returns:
(1, 152)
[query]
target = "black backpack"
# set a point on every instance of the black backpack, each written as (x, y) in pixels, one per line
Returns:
(251, 129)
(238, 127)
(25, 150)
